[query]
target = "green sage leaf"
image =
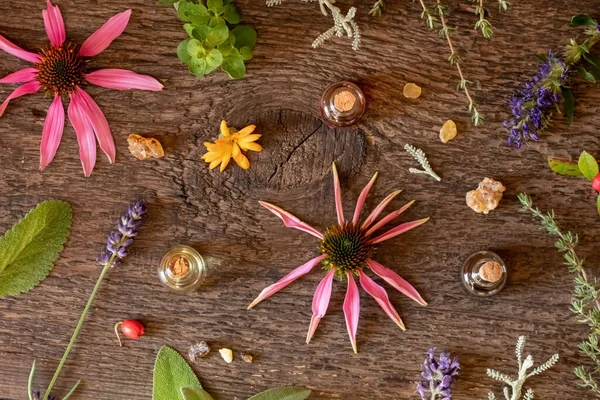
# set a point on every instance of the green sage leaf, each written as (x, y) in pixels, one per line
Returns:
(569, 103)
(172, 374)
(583, 19)
(195, 394)
(231, 14)
(283, 393)
(217, 34)
(586, 75)
(588, 165)
(245, 36)
(234, 65)
(30, 248)
(246, 53)
(182, 51)
(215, 6)
(564, 167)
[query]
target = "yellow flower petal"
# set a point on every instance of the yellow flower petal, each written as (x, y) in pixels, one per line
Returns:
(224, 129)
(251, 146)
(236, 150)
(242, 161)
(246, 131)
(211, 156)
(249, 138)
(226, 158)
(214, 164)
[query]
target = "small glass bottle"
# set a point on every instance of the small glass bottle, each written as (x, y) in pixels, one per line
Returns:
(343, 104)
(182, 269)
(484, 273)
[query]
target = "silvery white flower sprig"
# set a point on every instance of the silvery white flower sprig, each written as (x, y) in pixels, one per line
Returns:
(420, 156)
(341, 23)
(515, 386)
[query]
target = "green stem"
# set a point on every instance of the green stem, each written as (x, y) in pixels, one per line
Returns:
(77, 329)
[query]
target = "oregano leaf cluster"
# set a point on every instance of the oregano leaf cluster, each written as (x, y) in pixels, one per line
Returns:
(215, 38)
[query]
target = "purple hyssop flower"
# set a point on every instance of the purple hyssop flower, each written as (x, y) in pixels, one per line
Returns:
(119, 240)
(439, 375)
(532, 107)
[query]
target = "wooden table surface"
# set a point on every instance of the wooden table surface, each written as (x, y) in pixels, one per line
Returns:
(247, 248)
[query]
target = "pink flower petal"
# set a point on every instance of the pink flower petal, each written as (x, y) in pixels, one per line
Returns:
(22, 76)
(361, 199)
(396, 281)
(52, 132)
(320, 303)
(338, 196)
(381, 297)
(400, 229)
(286, 280)
(373, 216)
(16, 51)
(54, 24)
(390, 217)
(85, 135)
(290, 220)
(122, 79)
(101, 128)
(103, 37)
(352, 310)
(28, 88)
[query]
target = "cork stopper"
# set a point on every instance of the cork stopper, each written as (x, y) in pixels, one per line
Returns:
(179, 267)
(344, 101)
(491, 271)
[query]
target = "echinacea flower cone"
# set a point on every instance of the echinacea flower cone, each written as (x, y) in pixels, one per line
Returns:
(59, 71)
(347, 250)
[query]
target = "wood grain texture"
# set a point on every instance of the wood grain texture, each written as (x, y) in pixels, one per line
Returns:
(247, 248)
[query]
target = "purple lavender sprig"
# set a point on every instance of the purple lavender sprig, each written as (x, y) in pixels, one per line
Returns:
(119, 240)
(439, 375)
(532, 107)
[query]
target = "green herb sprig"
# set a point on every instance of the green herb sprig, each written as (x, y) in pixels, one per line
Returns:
(377, 8)
(213, 41)
(420, 156)
(586, 294)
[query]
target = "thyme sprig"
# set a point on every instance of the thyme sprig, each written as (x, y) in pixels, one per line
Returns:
(586, 294)
(483, 23)
(435, 18)
(377, 8)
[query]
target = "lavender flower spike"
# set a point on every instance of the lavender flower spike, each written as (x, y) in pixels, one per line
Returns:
(119, 240)
(439, 375)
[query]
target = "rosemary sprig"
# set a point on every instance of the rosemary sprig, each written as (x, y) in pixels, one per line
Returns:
(445, 32)
(420, 156)
(586, 294)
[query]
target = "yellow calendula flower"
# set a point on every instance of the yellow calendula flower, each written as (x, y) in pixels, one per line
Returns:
(230, 145)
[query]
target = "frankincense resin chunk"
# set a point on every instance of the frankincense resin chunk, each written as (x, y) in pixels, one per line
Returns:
(448, 131)
(143, 148)
(486, 197)
(411, 91)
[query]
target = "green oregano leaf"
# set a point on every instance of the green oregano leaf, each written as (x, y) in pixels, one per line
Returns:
(172, 374)
(564, 167)
(586, 75)
(234, 65)
(217, 35)
(283, 393)
(246, 53)
(30, 248)
(583, 19)
(569, 103)
(215, 6)
(245, 36)
(231, 14)
(182, 51)
(588, 165)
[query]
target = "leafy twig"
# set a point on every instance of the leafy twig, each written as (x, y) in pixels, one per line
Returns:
(419, 155)
(515, 385)
(586, 294)
(377, 8)
(482, 23)
(445, 32)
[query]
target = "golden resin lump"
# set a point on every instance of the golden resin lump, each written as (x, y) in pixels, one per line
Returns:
(448, 131)
(411, 91)
(486, 197)
(143, 148)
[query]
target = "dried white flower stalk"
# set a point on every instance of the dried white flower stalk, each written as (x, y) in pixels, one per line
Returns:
(341, 23)
(516, 385)
(419, 155)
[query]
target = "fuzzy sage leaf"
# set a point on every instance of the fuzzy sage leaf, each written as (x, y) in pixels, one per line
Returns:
(283, 393)
(588, 165)
(30, 248)
(195, 394)
(172, 374)
(564, 167)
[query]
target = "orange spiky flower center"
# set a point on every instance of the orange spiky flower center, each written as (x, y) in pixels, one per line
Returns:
(61, 69)
(347, 249)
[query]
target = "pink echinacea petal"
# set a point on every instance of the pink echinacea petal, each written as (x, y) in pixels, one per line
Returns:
(320, 303)
(16, 51)
(286, 280)
(381, 297)
(352, 310)
(337, 191)
(291, 221)
(396, 281)
(85, 135)
(98, 121)
(380, 207)
(28, 88)
(400, 229)
(54, 24)
(361, 199)
(388, 218)
(122, 79)
(103, 37)
(21, 76)
(52, 132)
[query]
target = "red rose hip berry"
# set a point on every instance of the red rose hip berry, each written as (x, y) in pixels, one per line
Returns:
(131, 328)
(596, 183)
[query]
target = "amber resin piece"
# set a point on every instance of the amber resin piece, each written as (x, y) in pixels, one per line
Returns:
(411, 91)
(486, 197)
(198, 351)
(448, 131)
(143, 148)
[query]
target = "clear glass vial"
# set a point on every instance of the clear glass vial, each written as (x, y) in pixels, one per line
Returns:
(483, 273)
(343, 104)
(182, 269)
